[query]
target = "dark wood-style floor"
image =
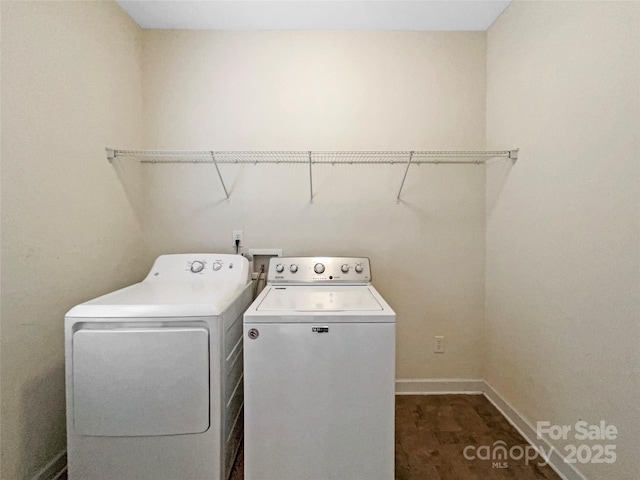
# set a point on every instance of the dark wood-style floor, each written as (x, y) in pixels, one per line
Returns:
(432, 432)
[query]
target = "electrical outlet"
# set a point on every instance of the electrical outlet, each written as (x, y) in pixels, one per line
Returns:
(438, 346)
(237, 235)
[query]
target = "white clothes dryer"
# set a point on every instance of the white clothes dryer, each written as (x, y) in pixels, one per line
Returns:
(319, 374)
(154, 373)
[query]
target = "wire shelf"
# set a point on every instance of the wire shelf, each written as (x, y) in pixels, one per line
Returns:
(310, 158)
(315, 157)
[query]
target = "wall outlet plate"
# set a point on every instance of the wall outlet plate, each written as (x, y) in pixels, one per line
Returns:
(237, 235)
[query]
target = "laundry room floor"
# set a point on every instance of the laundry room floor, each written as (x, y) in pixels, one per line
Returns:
(432, 432)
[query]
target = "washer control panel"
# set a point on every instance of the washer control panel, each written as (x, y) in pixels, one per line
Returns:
(323, 270)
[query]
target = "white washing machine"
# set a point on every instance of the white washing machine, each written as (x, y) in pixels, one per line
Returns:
(154, 373)
(319, 374)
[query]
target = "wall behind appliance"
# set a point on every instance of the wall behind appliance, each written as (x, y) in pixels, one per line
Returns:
(71, 84)
(330, 91)
(563, 232)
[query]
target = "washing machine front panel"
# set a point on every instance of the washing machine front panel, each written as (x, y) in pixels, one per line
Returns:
(319, 401)
(140, 381)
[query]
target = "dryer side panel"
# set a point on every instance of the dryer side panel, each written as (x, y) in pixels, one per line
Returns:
(140, 381)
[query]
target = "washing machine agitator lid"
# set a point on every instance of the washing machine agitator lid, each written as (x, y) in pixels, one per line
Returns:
(319, 299)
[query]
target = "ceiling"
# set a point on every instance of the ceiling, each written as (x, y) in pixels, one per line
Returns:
(442, 15)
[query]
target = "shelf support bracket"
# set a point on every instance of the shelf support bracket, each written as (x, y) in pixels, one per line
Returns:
(111, 154)
(310, 179)
(513, 154)
(405, 175)
(213, 157)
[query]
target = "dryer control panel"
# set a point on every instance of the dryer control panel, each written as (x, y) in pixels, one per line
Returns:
(197, 267)
(319, 270)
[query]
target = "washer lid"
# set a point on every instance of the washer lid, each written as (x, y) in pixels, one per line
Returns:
(161, 299)
(319, 299)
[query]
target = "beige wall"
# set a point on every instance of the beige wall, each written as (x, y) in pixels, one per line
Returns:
(562, 259)
(71, 84)
(331, 91)
(563, 235)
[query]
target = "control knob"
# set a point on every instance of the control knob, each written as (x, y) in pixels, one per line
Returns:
(344, 268)
(279, 268)
(318, 268)
(358, 268)
(217, 266)
(197, 266)
(293, 268)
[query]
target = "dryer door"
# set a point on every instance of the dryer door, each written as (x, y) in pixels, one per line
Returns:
(140, 381)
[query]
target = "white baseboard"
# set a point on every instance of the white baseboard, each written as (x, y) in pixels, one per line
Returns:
(60, 473)
(54, 469)
(556, 461)
(566, 471)
(439, 387)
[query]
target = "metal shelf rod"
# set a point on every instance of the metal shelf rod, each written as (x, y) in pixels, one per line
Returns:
(405, 177)
(213, 157)
(318, 162)
(310, 179)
